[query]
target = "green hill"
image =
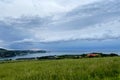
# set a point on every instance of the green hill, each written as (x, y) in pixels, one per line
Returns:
(4, 53)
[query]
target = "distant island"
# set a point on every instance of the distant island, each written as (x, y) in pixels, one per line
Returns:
(4, 53)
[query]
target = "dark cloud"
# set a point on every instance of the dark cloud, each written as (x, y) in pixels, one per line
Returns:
(9, 33)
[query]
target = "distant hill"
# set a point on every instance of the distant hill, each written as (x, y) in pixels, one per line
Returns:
(4, 53)
(1, 49)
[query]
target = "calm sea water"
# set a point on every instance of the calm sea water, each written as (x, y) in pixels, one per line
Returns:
(51, 54)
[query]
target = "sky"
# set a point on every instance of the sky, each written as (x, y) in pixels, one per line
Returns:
(60, 25)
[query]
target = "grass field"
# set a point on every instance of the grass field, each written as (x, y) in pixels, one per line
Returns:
(66, 69)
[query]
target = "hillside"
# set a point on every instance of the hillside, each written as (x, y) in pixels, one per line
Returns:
(4, 53)
(66, 69)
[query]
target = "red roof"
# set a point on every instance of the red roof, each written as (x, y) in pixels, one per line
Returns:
(92, 55)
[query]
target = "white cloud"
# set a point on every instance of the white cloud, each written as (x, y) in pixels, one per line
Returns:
(98, 25)
(17, 8)
(109, 30)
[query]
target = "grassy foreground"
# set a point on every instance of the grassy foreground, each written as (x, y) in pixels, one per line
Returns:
(66, 69)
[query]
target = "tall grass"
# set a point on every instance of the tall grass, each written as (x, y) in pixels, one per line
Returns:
(67, 69)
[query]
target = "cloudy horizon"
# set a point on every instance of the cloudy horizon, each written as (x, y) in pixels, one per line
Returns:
(60, 24)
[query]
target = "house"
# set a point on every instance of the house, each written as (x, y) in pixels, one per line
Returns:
(92, 55)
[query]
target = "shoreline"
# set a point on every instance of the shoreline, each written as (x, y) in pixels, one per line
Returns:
(62, 56)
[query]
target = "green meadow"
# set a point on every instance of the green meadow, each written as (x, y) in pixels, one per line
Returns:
(107, 68)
